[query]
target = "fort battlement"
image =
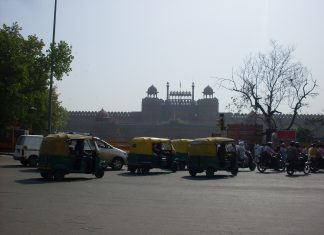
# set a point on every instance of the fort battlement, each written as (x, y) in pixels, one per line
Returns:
(277, 116)
(94, 114)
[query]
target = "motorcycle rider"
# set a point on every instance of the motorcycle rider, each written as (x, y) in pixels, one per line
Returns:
(267, 152)
(240, 148)
(283, 151)
(320, 150)
(292, 153)
(313, 153)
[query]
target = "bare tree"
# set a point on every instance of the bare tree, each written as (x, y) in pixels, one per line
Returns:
(266, 82)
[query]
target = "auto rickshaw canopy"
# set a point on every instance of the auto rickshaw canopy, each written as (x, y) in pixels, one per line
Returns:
(143, 145)
(207, 146)
(57, 144)
(181, 145)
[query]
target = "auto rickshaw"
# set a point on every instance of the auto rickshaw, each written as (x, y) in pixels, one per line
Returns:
(61, 154)
(181, 147)
(212, 154)
(149, 152)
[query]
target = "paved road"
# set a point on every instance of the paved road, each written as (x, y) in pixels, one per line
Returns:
(159, 203)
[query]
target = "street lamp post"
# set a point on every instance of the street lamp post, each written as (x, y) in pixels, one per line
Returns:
(51, 76)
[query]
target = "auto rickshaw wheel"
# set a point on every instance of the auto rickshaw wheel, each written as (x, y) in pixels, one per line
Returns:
(145, 170)
(192, 173)
(132, 170)
(100, 173)
(182, 166)
(210, 172)
(174, 167)
(44, 174)
(59, 175)
(234, 171)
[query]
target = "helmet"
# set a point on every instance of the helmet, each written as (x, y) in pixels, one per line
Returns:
(292, 143)
(269, 144)
(297, 144)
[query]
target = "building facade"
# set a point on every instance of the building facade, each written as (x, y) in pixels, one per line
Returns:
(179, 115)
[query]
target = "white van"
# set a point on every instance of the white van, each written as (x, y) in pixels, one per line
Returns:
(27, 149)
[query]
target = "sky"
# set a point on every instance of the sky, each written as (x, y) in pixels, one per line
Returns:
(122, 47)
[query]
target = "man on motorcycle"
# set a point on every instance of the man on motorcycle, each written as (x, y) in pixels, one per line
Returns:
(283, 151)
(240, 148)
(312, 151)
(267, 152)
(292, 151)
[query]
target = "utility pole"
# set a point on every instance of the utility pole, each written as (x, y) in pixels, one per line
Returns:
(51, 76)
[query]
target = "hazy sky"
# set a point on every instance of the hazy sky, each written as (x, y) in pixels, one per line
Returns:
(121, 47)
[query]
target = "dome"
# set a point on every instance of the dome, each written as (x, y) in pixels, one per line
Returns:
(152, 90)
(102, 114)
(208, 90)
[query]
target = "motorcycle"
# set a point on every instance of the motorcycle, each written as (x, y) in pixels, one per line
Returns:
(316, 164)
(247, 162)
(301, 163)
(274, 162)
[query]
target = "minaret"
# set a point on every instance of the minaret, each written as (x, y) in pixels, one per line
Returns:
(193, 92)
(167, 90)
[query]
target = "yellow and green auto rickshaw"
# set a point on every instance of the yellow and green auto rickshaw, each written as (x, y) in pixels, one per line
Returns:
(150, 152)
(61, 154)
(212, 154)
(181, 147)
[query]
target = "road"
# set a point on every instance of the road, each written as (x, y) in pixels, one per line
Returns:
(160, 203)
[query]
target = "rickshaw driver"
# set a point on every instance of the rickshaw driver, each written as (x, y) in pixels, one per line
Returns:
(157, 149)
(221, 154)
(162, 154)
(81, 154)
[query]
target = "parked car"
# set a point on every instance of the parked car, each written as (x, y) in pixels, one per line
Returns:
(110, 155)
(27, 149)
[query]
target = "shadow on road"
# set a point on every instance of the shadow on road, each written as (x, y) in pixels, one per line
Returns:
(30, 170)
(12, 166)
(110, 169)
(128, 174)
(269, 172)
(296, 175)
(43, 181)
(244, 170)
(317, 172)
(203, 177)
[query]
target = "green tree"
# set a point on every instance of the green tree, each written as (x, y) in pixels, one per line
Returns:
(24, 79)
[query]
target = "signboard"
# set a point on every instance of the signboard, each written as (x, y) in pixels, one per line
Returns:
(286, 135)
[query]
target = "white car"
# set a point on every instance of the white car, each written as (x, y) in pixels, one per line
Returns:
(27, 149)
(110, 155)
